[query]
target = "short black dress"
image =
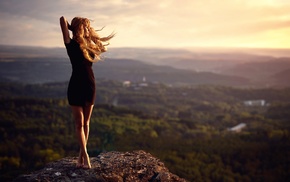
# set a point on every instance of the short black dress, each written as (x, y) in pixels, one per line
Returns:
(82, 87)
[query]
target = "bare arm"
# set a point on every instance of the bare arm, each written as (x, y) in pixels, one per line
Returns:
(64, 28)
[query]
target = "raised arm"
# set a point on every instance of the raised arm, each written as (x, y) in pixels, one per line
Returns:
(64, 28)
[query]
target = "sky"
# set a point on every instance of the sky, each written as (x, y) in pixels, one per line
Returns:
(152, 23)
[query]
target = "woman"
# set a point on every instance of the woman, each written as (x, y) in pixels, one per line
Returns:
(83, 49)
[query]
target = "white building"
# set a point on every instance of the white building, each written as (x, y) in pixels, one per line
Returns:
(238, 128)
(255, 103)
(126, 84)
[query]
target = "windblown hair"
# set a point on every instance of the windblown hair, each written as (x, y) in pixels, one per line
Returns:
(92, 45)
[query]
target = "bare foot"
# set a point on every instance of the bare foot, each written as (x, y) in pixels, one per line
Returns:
(87, 163)
(80, 162)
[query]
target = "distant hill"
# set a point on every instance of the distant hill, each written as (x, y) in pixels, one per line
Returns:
(170, 66)
(125, 69)
(9, 51)
(281, 78)
(209, 60)
(40, 70)
(259, 70)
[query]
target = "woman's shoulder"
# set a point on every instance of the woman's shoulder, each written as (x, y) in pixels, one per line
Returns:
(72, 46)
(72, 43)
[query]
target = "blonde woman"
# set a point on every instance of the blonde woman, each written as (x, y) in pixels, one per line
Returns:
(83, 49)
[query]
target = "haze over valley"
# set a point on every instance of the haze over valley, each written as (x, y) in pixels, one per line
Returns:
(229, 67)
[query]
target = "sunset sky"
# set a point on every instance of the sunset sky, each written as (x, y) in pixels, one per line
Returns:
(151, 23)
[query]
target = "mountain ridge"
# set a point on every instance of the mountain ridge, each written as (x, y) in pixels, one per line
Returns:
(170, 66)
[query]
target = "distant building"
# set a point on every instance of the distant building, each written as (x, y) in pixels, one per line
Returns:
(126, 84)
(238, 128)
(144, 83)
(136, 85)
(255, 103)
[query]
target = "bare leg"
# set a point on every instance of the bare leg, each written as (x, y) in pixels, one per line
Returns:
(87, 110)
(87, 117)
(78, 114)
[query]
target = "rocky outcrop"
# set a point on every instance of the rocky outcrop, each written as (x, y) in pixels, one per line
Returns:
(136, 166)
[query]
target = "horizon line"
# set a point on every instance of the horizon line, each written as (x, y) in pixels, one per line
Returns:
(160, 47)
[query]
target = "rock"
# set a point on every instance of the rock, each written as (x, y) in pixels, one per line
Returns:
(136, 166)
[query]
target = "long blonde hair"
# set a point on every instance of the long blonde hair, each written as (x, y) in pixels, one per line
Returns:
(93, 45)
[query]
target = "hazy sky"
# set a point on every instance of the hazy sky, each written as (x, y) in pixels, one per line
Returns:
(152, 23)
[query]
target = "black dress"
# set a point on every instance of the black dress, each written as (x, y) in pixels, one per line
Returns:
(82, 88)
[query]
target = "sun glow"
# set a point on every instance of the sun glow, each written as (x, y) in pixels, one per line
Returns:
(150, 23)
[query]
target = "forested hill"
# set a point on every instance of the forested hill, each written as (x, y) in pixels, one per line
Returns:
(191, 129)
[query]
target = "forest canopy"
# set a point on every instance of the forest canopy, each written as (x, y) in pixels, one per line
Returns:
(188, 128)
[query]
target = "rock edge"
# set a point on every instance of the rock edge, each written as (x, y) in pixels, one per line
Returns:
(136, 166)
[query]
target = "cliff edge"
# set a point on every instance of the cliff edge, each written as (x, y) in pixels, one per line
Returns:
(136, 166)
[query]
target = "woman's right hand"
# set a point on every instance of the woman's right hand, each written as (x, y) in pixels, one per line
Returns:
(64, 28)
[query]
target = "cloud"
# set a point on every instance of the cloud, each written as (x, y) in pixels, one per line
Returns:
(149, 22)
